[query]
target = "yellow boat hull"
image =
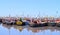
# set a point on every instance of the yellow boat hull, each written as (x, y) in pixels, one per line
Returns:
(19, 23)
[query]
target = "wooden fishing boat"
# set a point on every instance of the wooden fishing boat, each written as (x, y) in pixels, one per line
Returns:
(27, 21)
(0, 20)
(44, 21)
(51, 23)
(8, 21)
(58, 22)
(20, 22)
(38, 23)
(42, 24)
(33, 25)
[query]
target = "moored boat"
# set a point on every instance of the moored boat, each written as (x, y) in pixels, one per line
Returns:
(0, 20)
(44, 21)
(33, 23)
(38, 23)
(20, 22)
(57, 22)
(51, 23)
(8, 21)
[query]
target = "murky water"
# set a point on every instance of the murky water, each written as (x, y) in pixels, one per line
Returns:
(26, 30)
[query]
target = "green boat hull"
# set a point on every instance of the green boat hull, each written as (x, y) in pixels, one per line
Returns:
(52, 24)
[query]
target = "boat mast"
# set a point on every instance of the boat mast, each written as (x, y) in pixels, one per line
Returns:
(38, 15)
(57, 13)
(9, 15)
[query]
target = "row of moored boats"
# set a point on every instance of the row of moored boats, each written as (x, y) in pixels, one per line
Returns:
(33, 22)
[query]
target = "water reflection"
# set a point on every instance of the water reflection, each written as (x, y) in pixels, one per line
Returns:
(6, 26)
(41, 29)
(17, 30)
(20, 28)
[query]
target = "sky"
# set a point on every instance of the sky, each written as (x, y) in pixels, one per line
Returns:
(31, 8)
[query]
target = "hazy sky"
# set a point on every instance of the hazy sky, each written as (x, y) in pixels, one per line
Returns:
(29, 7)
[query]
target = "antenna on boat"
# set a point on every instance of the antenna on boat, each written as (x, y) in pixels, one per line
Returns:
(57, 13)
(23, 14)
(9, 16)
(28, 15)
(38, 15)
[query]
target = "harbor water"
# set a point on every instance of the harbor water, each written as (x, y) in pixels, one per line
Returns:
(26, 30)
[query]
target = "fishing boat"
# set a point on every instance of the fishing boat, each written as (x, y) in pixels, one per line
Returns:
(57, 22)
(42, 24)
(20, 22)
(26, 21)
(33, 23)
(8, 21)
(44, 21)
(0, 20)
(51, 23)
(38, 23)
(13, 22)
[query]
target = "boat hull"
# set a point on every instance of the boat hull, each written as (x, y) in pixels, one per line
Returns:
(52, 24)
(26, 23)
(23, 24)
(45, 24)
(58, 24)
(37, 25)
(0, 20)
(7, 23)
(33, 25)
